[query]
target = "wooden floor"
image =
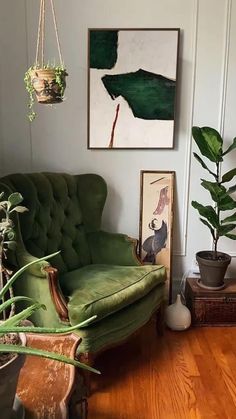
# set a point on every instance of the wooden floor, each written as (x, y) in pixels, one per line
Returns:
(189, 374)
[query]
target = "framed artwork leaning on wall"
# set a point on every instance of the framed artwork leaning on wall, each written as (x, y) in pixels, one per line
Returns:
(132, 78)
(156, 220)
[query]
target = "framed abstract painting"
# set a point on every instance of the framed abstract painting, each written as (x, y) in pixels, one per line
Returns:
(156, 219)
(132, 78)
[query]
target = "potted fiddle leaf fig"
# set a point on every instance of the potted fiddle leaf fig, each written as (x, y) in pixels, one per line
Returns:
(13, 347)
(212, 263)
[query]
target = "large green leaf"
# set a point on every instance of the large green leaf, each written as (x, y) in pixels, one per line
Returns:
(224, 229)
(205, 222)
(209, 142)
(231, 147)
(227, 203)
(231, 190)
(22, 315)
(203, 164)
(219, 195)
(45, 354)
(228, 176)
(231, 236)
(21, 270)
(207, 212)
(217, 191)
(229, 219)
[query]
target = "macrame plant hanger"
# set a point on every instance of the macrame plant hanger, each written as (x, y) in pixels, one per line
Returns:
(39, 61)
(47, 80)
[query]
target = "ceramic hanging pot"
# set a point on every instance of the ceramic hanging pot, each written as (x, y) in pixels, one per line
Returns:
(49, 84)
(177, 315)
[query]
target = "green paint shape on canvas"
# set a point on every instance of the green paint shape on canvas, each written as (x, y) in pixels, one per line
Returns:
(149, 95)
(103, 49)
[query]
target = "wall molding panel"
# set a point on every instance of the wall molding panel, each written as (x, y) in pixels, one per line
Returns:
(57, 139)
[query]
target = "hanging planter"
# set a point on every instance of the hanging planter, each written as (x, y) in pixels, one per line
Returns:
(46, 82)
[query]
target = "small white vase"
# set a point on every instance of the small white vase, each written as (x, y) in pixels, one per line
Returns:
(177, 315)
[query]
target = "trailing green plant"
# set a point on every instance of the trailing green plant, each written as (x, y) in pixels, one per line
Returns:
(210, 144)
(13, 323)
(60, 73)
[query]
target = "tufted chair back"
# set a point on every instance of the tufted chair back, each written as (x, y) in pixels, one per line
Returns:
(62, 208)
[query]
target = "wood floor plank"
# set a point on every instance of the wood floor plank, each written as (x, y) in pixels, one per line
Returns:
(226, 359)
(182, 375)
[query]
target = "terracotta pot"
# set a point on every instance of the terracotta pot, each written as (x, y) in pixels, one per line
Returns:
(212, 270)
(9, 374)
(46, 88)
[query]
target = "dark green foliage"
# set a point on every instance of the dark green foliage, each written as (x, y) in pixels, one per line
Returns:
(149, 95)
(210, 144)
(103, 49)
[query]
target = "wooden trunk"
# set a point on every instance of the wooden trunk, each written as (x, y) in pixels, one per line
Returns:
(211, 308)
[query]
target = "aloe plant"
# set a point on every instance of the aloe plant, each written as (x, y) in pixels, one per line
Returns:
(13, 323)
(210, 144)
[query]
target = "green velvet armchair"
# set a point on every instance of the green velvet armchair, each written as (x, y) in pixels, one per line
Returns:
(96, 272)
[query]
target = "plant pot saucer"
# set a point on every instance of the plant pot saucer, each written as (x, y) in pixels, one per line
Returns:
(206, 287)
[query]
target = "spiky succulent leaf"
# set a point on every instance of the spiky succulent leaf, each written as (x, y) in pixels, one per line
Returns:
(22, 315)
(45, 354)
(231, 147)
(207, 212)
(227, 177)
(45, 330)
(21, 270)
(14, 300)
(209, 142)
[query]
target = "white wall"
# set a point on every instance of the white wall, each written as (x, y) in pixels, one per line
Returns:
(57, 140)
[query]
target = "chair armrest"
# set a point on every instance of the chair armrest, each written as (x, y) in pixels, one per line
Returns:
(38, 269)
(56, 294)
(44, 271)
(113, 248)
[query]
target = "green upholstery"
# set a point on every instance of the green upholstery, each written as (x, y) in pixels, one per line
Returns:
(99, 272)
(106, 289)
(120, 325)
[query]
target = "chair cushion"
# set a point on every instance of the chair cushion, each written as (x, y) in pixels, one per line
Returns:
(105, 289)
(119, 326)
